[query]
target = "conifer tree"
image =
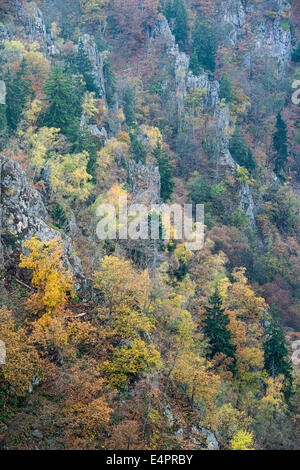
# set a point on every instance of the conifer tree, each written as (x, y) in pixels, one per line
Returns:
(3, 125)
(239, 151)
(128, 100)
(204, 46)
(110, 81)
(250, 163)
(137, 149)
(215, 329)
(166, 172)
(17, 93)
(64, 102)
(280, 146)
(296, 54)
(276, 356)
(3, 119)
(85, 68)
(226, 88)
(177, 15)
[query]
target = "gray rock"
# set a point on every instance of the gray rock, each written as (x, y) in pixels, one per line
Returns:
(23, 216)
(247, 203)
(99, 133)
(96, 60)
(144, 182)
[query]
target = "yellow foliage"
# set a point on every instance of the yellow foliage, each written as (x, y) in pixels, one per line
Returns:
(242, 299)
(121, 115)
(116, 149)
(130, 360)
(69, 177)
(231, 420)
(93, 10)
(273, 401)
(202, 384)
(13, 50)
(121, 285)
(242, 440)
(22, 360)
(153, 134)
(89, 105)
(53, 282)
(40, 142)
(34, 110)
(124, 137)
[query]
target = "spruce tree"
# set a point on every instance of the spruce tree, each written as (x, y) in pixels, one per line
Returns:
(84, 67)
(18, 90)
(204, 46)
(64, 103)
(215, 329)
(250, 162)
(296, 54)
(128, 106)
(226, 88)
(276, 356)
(3, 126)
(180, 22)
(280, 146)
(240, 152)
(110, 82)
(176, 15)
(165, 171)
(3, 119)
(137, 149)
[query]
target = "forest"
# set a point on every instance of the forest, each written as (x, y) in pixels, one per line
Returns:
(144, 344)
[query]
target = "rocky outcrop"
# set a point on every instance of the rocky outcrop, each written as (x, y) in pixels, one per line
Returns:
(185, 81)
(247, 202)
(23, 216)
(33, 21)
(273, 36)
(233, 14)
(270, 34)
(270, 37)
(144, 183)
(96, 60)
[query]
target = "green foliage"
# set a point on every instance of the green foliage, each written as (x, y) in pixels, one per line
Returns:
(296, 54)
(166, 172)
(85, 142)
(239, 151)
(18, 91)
(216, 330)
(84, 67)
(282, 209)
(3, 124)
(239, 218)
(198, 188)
(137, 148)
(201, 191)
(280, 146)
(128, 107)
(176, 15)
(109, 79)
(59, 215)
(276, 356)
(226, 88)
(64, 103)
(3, 119)
(204, 47)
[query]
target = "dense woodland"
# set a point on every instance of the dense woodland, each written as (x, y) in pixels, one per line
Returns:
(147, 345)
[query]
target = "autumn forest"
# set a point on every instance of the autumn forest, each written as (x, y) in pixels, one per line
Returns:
(144, 344)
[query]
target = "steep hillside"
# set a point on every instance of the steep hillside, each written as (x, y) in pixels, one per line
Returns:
(134, 343)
